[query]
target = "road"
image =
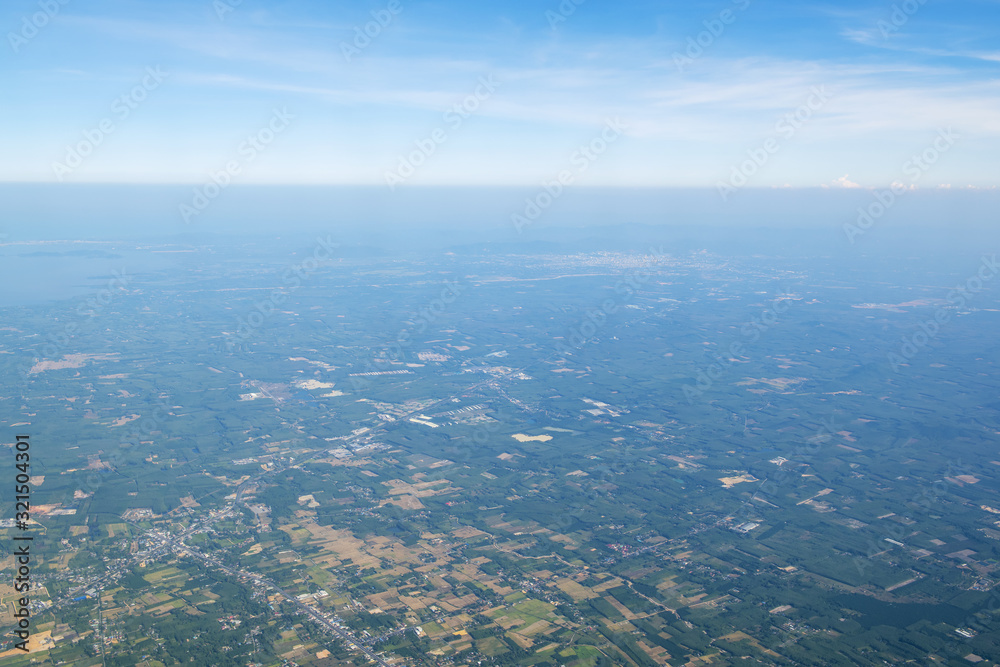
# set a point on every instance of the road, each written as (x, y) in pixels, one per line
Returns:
(165, 542)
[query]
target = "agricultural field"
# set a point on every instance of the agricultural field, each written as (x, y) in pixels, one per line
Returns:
(576, 458)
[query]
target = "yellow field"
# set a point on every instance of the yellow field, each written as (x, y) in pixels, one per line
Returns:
(521, 437)
(575, 590)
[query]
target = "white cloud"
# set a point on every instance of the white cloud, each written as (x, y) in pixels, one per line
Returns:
(845, 182)
(686, 128)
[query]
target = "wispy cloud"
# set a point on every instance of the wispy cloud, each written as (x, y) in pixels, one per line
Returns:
(886, 95)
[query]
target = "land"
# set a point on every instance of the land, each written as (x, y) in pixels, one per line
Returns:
(561, 462)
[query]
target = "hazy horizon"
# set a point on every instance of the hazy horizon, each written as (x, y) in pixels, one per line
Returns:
(555, 334)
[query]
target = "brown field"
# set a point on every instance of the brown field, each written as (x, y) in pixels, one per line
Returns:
(418, 489)
(778, 384)
(71, 361)
(406, 502)
(466, 532)
(121, 421)
(730, 482)
(575, 590)
(37, 642)
(521, 437)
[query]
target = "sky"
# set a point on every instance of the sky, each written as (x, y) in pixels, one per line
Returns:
(726, 94)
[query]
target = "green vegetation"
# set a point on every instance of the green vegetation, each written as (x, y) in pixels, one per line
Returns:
(540, 506)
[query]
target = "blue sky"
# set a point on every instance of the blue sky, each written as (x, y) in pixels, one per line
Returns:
(889, 82)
